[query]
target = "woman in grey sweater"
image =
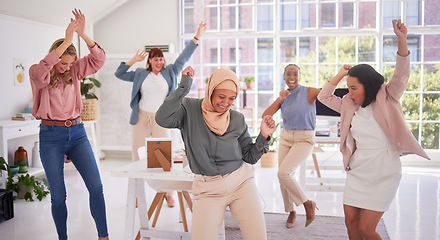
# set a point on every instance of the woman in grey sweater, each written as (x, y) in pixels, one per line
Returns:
(217, 144)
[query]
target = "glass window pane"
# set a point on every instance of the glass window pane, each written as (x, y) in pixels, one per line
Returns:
(288, 17)
(265, 79)
(308, 75)
(189, 26)
(265, 18)
(347, 49)
(228, 19)
(327, 49)
(389, 48)
(432, 47)
(411, 106)
(196, 57)
(414, 47)
(264, 1)
(414, 128)
(431, 106)
(432, 16)
(388, 71)
(228, 50)
(244, 1)
(367, 15)
(210, 50)
(391, 10)
(245, 71)
(288, 50)
(265, 50)
(245, 15)
(264, 101)
(367, 48)
(289, 0)
(308, 13)
(431, 77)
(228, 2)
(325, 73)
(347, 14)
(415, 78)
(307, 49)
(188, 3)
(246, 50)
(211, 16)
(211, 2)
(413, 13)
(430, 135)
(328, 13)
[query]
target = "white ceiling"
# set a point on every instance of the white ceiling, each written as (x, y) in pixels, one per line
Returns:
(59, 12)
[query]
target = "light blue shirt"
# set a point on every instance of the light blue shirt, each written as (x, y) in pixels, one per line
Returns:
(297, 112)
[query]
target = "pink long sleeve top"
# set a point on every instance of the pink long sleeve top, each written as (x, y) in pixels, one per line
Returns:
(63, 102)
(387, 111)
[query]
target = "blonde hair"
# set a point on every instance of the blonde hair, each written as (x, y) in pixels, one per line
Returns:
(67, 77)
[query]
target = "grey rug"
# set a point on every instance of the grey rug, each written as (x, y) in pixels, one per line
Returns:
(323, 227)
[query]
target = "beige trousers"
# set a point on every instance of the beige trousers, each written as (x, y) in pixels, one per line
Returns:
(295, 147)
(145, 127)
(212, 194)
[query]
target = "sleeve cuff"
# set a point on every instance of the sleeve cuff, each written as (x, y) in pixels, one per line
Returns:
(262, 143)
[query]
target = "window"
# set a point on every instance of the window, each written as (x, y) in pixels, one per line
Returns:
(258, 38)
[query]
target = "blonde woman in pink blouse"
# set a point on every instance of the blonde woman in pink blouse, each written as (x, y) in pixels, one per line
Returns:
(55, 82)
(374, 135)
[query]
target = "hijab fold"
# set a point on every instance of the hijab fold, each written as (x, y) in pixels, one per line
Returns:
(220, 79)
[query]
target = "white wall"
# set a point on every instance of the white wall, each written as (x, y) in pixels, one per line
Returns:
(137, 23)
(28, 40)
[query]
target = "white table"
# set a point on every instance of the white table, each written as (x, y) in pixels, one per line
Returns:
(320, 183)
(137, 173)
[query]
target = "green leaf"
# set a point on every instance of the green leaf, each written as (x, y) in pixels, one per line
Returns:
(28, 197)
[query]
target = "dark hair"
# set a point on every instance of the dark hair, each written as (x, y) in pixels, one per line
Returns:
(155, 52)
(289, 65)
(370, 79)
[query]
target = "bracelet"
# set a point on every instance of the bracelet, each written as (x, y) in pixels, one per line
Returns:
(196, 38)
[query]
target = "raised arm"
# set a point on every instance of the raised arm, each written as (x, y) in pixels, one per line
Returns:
(273, 108)
(170, 114)
(122, 71)
(401, 32)
(326, 95)
(200, 31)
(80, 30)
(70, 31)
(398, 83)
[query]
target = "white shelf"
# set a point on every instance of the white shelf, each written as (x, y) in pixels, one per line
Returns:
(10, 129)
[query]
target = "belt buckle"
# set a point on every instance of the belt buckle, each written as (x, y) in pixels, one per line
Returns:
(68, 125)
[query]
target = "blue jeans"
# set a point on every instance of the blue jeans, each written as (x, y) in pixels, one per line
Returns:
(55, 142)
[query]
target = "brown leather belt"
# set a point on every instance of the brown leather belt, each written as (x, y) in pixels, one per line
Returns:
(66, 123)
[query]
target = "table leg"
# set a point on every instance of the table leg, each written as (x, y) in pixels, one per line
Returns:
(182, 211)
(315, 162)
(130, 209)
(188, 200)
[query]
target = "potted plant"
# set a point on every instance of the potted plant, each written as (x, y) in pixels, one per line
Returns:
(270, 159)
(22, 167)
(249, 80)
(24, 185)
(90, 100)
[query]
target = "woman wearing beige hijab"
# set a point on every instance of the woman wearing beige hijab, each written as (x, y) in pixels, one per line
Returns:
(219, 150)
